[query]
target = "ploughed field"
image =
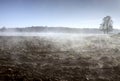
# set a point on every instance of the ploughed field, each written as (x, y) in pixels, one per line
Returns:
(60, 58)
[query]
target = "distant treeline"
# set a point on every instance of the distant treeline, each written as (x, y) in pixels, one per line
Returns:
(53, 29)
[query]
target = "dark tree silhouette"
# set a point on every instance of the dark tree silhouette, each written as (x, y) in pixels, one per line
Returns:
(107, 25)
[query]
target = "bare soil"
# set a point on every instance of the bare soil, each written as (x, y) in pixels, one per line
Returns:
(72, 58)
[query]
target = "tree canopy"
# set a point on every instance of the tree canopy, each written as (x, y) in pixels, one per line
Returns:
(107, 24)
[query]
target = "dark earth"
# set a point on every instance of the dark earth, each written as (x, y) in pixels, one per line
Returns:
(71, 58)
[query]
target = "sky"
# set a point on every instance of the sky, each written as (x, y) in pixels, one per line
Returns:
(58, 13)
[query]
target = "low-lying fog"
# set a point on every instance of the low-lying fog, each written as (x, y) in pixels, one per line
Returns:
(44, 34)
(62, 41)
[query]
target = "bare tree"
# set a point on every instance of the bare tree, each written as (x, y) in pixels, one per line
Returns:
(107, 25)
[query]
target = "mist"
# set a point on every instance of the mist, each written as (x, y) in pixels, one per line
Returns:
(45, 53)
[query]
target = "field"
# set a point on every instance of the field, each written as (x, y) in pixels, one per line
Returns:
(60, 57)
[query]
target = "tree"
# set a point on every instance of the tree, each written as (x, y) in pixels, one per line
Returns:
(107, 25)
